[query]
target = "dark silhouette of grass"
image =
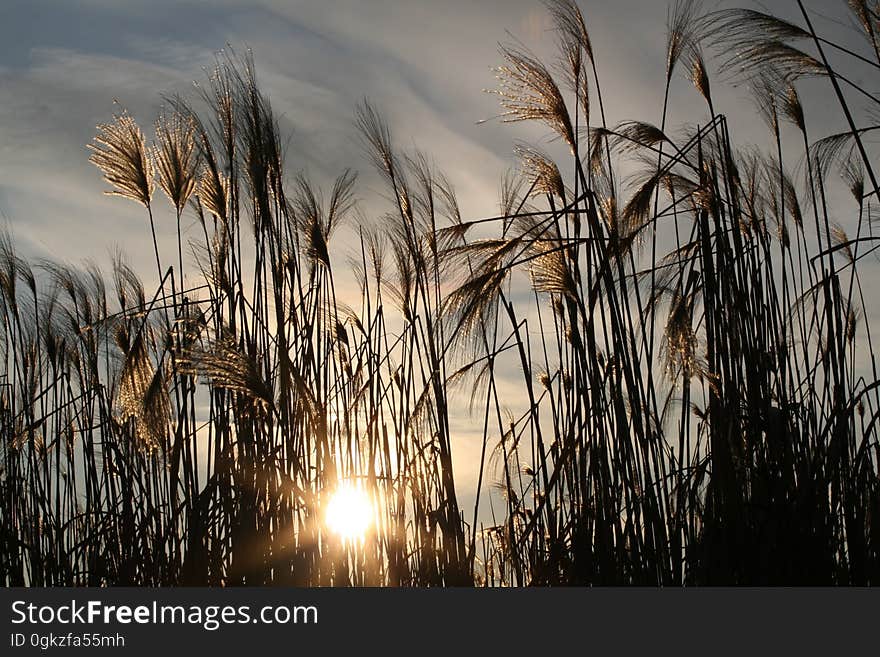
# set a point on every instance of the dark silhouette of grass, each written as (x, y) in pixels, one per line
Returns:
(691, 414)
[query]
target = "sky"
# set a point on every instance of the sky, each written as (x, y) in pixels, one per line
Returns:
(424, 63)
(61, 68)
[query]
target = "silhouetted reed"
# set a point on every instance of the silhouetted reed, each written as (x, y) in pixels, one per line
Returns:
(685, 319)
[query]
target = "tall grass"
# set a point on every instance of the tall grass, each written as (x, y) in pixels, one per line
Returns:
(697, 389)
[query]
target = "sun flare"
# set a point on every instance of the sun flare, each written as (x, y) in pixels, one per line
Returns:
(348, 512)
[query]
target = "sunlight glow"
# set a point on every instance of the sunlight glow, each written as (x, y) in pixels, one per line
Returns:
(349, 512)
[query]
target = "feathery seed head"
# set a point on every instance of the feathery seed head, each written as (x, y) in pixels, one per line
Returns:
(176, 157)
(528, 92)
(541, 172)
(120, 151)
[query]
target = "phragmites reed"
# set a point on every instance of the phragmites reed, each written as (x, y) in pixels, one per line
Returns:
(700, 412)
(681, 29)
(120, 151)
(529, 92)
(176, 158)
(540, 171)
(213, 192)
(228, 367)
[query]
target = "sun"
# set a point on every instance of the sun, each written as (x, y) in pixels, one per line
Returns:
(348, 513)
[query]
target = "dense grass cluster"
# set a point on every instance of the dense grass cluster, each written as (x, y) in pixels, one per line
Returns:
(698, 395)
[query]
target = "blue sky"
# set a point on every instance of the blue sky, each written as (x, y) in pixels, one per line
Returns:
(424, 63)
